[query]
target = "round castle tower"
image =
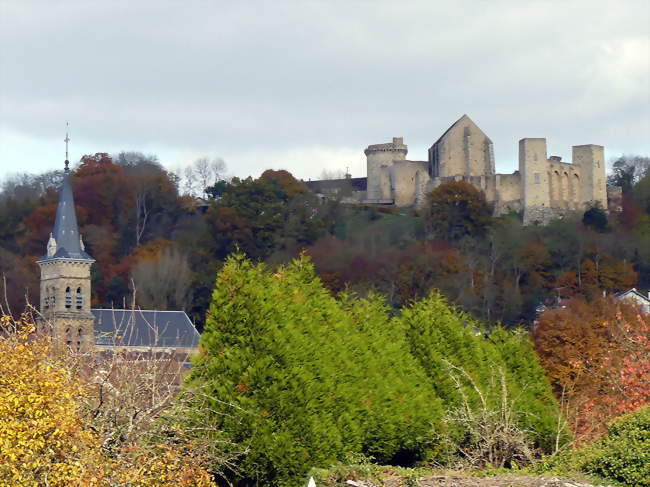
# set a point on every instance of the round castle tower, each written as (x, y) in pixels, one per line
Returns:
(380, 157)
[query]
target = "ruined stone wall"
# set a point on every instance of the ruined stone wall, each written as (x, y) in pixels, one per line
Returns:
(408, 180)
(508, 193)
(565, 186)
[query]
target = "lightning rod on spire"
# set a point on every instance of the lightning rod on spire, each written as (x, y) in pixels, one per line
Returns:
(66, 140)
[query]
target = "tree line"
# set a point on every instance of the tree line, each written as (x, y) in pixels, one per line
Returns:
(154, 239)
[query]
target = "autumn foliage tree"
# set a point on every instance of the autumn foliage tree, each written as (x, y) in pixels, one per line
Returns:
(456, 209)
(596, 356)
(48, 437)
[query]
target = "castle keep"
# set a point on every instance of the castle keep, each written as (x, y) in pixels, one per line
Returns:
(542, 188)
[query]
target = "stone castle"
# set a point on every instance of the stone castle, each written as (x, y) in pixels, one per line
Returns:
(542, 188)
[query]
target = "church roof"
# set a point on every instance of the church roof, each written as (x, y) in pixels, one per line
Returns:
(66, 231)
(144, 328)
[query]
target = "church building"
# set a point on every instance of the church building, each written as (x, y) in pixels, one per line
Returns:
(65, 298)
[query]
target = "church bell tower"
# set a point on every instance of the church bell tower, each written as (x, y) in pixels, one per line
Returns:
(65, 277)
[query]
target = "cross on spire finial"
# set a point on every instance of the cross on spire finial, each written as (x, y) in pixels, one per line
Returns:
(66, 140)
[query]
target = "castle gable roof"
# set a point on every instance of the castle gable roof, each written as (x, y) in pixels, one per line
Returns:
(144, 328)
(462, 120)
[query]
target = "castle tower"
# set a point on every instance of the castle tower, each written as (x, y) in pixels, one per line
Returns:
(534, 181)
(65, 277)
(593, 183)
(379, 159)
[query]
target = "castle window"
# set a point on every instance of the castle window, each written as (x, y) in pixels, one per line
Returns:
(537, 178)
(80, 299)
(68, 298)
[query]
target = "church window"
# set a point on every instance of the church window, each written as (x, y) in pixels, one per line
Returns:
(47, 298)
(68, 298)
(68, 340)
(537, 178)
(80, 299)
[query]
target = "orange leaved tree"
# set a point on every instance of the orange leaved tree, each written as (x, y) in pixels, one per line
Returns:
(596, 356)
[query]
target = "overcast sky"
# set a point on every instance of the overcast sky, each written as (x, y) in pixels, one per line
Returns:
(307, 85)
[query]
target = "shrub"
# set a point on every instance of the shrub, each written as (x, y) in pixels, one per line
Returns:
(301, 378)
(622, 454)
(462, 360)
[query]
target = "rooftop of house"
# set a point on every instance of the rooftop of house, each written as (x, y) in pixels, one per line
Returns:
(327, 185)
(144, 328)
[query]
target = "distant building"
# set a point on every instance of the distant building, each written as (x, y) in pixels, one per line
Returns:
(544, 186)
(635, 297)
(66, 295)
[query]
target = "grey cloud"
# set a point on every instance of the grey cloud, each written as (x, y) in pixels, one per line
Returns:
(280, 76)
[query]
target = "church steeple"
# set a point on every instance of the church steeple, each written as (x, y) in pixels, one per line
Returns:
(65, 241)
(65, 276)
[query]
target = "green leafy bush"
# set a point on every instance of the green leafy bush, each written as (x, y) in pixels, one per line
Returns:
(622, 455)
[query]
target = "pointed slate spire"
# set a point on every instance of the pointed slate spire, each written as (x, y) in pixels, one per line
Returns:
(65, 241)
(66, 232)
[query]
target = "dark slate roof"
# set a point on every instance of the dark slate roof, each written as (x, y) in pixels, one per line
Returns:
(144, 328)
(325, 185)
(66, 232)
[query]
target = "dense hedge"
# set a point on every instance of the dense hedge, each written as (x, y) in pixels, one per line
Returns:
(300, 378)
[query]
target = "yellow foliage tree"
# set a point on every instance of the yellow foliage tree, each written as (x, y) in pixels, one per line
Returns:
(45, 438)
